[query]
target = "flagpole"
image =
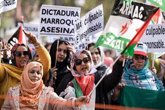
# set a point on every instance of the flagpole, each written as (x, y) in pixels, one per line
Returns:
(56, 53)
(0, 36)
(108, 71)
(133, 39)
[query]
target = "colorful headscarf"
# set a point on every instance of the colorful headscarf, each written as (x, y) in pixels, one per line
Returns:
(13, 50)
(75, 56)
(31, 91)
(140, 78)
(85, 81)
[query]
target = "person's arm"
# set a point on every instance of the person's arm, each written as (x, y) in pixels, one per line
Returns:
(112, 79)
(71, 103)
(2, 72)
(41, 51)
(44, 58)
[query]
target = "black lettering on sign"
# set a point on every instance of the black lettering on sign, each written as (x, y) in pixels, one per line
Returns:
(60, 12)
(57, 30)
(8, 2)
(57, 21)
(135, 11)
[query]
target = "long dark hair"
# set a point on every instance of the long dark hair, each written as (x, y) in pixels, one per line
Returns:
(53, 51)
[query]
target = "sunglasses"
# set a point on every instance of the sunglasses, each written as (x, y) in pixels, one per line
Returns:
(20, 53)
(140, 57)
(60, 50)
(84, 60)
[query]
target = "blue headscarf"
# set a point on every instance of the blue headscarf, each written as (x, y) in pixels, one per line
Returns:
(140, 78)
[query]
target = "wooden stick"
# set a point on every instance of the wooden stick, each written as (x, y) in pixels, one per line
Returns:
(108, 71)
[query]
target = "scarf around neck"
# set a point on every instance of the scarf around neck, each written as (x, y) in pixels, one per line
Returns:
(30, 91)
(86, 83)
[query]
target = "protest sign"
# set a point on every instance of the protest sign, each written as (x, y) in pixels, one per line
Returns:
(6, 5)
(154, 38)
(58, 20)
(90, 24)
(33, 28)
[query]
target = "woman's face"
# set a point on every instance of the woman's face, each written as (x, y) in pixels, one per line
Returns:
(95, 55)
(35, 73)
(21, 56)
(82, 64)
(139, 61)
(61, 52)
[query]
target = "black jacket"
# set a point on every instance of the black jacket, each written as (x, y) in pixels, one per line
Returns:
(107, 84)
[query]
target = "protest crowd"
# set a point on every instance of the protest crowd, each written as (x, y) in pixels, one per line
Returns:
(77, 70)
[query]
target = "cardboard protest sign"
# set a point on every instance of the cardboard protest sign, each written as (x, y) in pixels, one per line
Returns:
(58, 20)
(154, 38)
(90, 24)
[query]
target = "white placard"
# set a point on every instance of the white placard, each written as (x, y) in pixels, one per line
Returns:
(154, 37)
(6, 5)
(33, 28)
(58, 20)
(90, 24)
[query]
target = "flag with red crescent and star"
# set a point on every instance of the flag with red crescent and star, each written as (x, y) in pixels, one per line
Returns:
(125, 21)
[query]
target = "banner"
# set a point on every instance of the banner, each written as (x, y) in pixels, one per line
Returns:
(124, 23)
(6, 5)
(142, 98)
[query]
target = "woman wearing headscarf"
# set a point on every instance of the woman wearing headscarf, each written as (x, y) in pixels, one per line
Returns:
(84, 81)
(10, 74)
(32, 94)
(98, 61)
(60, 75)
(136, 72)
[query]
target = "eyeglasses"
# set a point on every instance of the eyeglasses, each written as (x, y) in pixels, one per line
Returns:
(140, 57)
(20, 53)
(59, 50)
(79, 61)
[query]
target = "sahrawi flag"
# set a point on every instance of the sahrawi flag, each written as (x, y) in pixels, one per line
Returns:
(158, 3)
(18, 37)
(127, 21)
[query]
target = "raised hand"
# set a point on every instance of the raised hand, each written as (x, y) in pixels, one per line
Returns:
(31, 38)
(71, 48)
(54, 72)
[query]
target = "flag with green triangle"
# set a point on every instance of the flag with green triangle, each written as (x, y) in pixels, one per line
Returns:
(158, 3)
(129, 49)
(126, 20)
